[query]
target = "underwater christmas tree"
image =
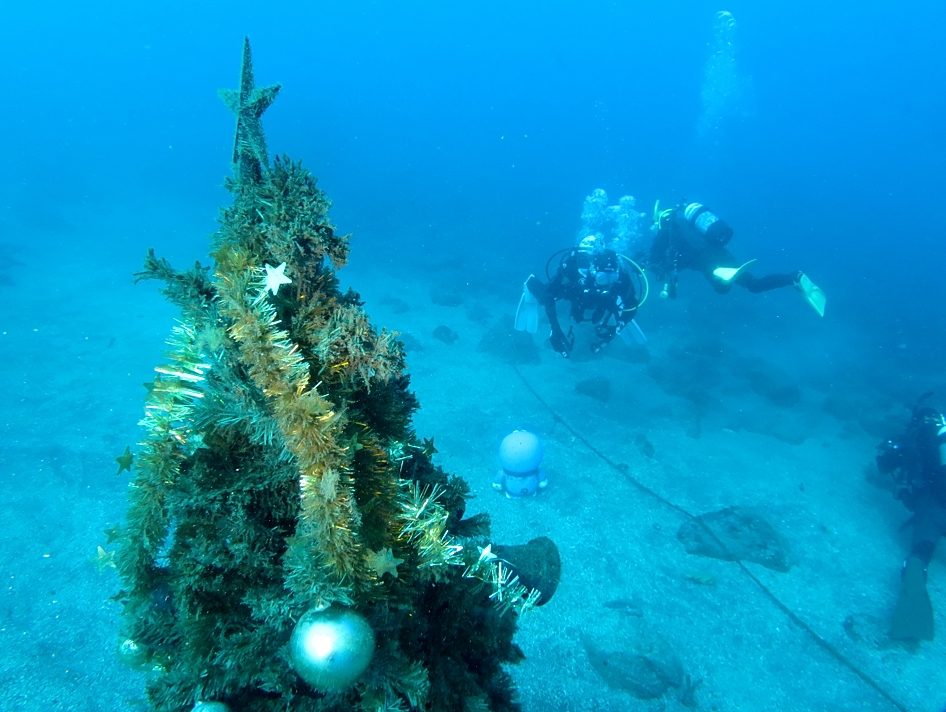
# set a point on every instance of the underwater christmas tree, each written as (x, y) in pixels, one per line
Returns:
(289, 544)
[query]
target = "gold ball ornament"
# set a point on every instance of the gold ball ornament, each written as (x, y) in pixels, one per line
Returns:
(331, 647)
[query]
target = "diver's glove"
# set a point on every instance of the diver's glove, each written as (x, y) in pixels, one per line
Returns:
(561, 343)
(605, 332)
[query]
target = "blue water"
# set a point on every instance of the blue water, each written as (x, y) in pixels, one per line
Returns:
(470, 133)
(422, 117)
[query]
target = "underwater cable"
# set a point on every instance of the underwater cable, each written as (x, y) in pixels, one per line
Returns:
(625, 472)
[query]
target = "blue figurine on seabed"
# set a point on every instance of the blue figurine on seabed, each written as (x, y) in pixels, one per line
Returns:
(520, 455)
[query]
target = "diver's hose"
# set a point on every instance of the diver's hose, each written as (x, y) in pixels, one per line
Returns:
(548, 277)
(646, 284)
(624, 470)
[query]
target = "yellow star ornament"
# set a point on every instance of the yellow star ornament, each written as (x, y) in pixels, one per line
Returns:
(383, 562)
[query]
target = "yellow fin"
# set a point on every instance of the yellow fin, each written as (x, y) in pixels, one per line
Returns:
(812, 293)
(913, 616)
(726, 275)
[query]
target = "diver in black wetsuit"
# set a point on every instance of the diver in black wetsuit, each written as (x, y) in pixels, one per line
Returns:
(918, 461)
(595, 283)
(690, 236)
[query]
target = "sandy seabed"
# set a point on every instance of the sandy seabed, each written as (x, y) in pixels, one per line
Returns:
(78, 340)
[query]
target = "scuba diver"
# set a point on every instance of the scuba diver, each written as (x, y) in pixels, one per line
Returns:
(599, 288)
(918, 461)
(690, 236)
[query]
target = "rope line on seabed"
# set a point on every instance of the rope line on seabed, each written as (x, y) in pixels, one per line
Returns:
(625, 472)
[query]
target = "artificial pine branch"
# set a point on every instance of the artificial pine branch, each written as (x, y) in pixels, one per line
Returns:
(169, 438)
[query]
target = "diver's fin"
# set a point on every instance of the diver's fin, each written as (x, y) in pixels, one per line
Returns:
(913, 616)
(813, 295)
(527, 314)
(632, 334)
(726, 275)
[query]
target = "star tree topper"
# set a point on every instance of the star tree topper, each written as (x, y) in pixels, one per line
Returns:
(249, 103)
